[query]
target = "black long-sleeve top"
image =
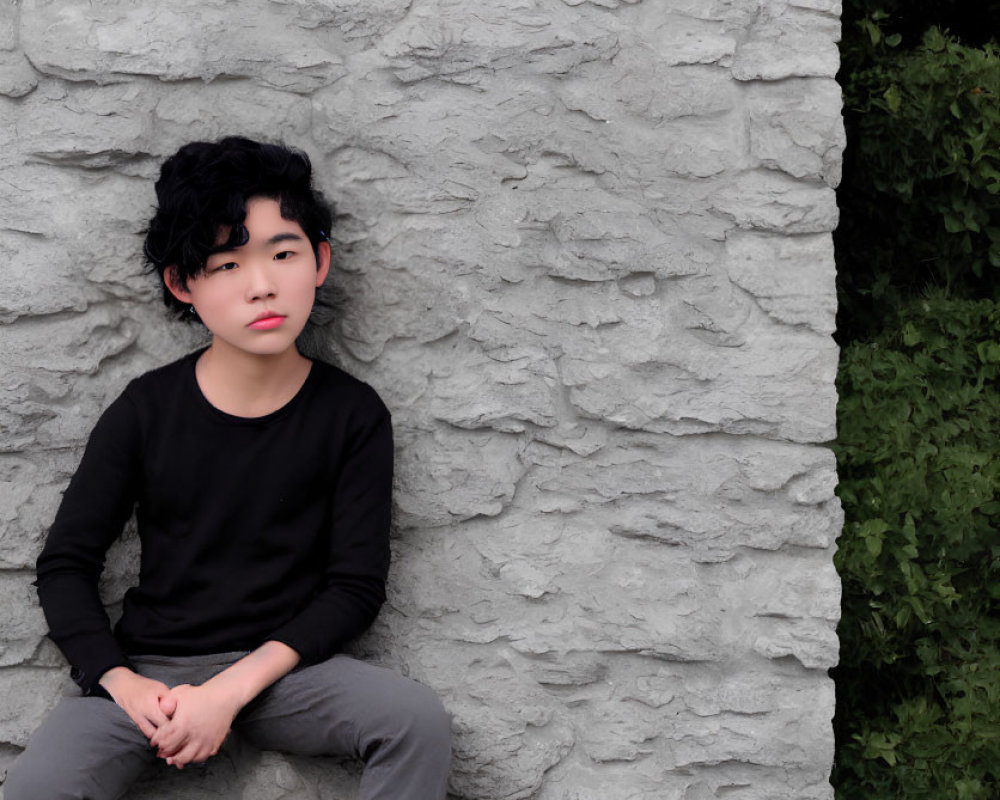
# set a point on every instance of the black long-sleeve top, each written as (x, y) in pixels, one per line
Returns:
(270, 528)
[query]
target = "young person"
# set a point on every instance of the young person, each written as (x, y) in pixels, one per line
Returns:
(261, 486)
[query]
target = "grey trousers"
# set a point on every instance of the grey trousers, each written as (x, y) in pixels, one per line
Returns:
(89, 749)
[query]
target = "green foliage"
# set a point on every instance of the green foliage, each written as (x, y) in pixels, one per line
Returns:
(972, 21)
(919, 459)
(921, 193)
(918, 711)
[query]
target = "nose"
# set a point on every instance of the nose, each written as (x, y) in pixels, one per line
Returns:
(260, 283)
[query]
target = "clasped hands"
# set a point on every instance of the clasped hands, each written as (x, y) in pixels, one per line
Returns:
(186, 724)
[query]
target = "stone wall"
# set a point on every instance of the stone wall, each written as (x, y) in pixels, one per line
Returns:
(583, 252)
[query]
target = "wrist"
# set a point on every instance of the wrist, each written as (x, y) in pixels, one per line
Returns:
(243, 681)
(115, 675)
(232, 692)
(113, 684)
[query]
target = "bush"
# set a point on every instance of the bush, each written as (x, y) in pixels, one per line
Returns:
(920, 557)
(972, 21)
(921, 191)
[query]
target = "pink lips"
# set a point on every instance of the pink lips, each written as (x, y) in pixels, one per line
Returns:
(266, 323)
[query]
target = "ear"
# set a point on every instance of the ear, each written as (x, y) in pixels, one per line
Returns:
(176, 285)
(322, 262)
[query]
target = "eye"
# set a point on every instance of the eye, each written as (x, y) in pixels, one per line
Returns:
(228, 266)
(283, 255)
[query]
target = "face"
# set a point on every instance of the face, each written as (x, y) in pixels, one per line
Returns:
(256, 298)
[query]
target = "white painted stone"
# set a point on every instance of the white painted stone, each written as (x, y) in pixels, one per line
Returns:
(463, 41)
(829, 6)
(811, 642)
(662, 398)
(453, 475)
(642, 87)
(30, 489)
(792, 279)
(220, 109)
(600, 3)
(787, 57)
(22, 619)
(28, 695)
(506, 396)
(8, 24)
(34, 283)
(785, 590)
(94, 127)
(17, 78)
(180, 41)
(773, 202)
(679, 39)
(354, 21)
(797, 129)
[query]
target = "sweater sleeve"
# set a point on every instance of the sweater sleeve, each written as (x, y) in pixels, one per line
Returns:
(358, 556)
(94, 509)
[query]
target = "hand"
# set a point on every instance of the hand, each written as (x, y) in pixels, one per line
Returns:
(200, 721)
(201, 716)
(146, 701)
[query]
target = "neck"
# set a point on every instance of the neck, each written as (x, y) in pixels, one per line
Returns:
(249, 384)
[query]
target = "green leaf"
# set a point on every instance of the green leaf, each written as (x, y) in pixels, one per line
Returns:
(988, 352)
(873, 31)
(893, 98)
(952, 223)
(934, 40)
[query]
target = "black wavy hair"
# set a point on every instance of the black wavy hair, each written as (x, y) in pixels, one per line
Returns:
(204, 187)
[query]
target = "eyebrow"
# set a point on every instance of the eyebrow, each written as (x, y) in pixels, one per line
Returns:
(286, 236)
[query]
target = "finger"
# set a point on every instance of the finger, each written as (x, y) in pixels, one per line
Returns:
(170, 757)
(170, 747)
(153, 722)
(148, 729)
(174, 743)
(169, 752)
(168, 705)
(183, 757)
(156, 716)
(167, 738)
(202, 754)
(139, 720)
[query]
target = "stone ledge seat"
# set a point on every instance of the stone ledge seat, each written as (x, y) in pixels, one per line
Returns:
(241, 772)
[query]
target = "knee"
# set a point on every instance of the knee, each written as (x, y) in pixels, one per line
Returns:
(418, 720)
(425, 717)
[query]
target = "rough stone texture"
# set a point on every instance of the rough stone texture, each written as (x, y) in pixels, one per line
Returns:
(583, 251)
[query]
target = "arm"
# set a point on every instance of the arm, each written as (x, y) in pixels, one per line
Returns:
(95, 506)
(201, 716)
(358, 552)
(93, 511)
